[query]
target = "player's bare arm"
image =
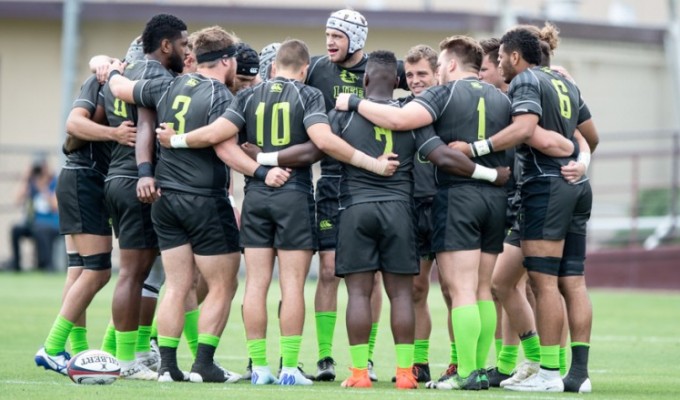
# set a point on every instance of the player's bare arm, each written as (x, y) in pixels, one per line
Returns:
(81, 125)
(574, 171)
(297, 156)
(589, 132)
(454, 162)
(411, 116)
(334, 146)
(144, 151)
(232, 155)
(217, 132)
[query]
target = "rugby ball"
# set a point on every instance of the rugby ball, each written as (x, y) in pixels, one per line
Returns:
(93, 367)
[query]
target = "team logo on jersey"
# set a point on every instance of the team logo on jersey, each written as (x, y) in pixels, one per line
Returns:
(191, 82)
(276, 88)
(325, 224)
(129, 66)
(421, 159)
(348, 77)
(476, 85)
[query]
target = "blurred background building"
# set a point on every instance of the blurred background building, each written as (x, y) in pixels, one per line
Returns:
(622, 53)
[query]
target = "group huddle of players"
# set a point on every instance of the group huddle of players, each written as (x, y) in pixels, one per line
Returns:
(480, 172)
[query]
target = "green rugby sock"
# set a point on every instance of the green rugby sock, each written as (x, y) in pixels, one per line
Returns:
(290, 350)
(563, 360)
(109, 341)
(550, 357)
(404, 355)
(487, 319)
(454, 353)
(125, 345)
(359, 353)
(78, 339)
(498, 346)
(325, 328)
(466, 327)
(507, 359)
(421, 352)
(532, 347)
(56, 339)
(143, 339)
(257, 351)
(371, 340)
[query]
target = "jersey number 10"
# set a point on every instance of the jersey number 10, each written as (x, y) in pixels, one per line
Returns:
(280, 124)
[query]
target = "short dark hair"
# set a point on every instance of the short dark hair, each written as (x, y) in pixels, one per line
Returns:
(382, 66)
(293, 53)
(159, 27)
(490, 47)
(466, 50)
(422, 52)
(524, 42)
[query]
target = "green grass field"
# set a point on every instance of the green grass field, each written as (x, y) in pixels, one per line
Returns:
(635, 350)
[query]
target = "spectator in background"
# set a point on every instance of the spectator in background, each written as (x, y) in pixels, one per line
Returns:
(41, 220)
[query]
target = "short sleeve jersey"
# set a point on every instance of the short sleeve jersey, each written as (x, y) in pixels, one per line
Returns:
(558, 104)
(467, 110)
(94, 155)
(123, 163)
(360, 186)
(275, 115)
(332, 80)
(186, 103)
(423, 171)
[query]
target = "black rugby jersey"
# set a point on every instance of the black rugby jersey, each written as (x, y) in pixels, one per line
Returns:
(186, 103)
(123, 162)
(560, 108)
(94, 155)
(275, 115)
(467, 110)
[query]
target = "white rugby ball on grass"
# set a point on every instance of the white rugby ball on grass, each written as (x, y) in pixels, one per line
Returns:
(93, 367)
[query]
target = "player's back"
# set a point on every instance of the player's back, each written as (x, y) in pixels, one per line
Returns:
(467, 110)
(188, 103)
(358, 185)
(117, 111)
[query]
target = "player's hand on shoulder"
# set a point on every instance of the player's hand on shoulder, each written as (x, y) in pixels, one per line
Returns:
(146, 190)
(163, 134)
(574, 171)
(104, 70)
(463, 147)
(277, 177)
(126, 133)
(251, 150)
(342, 102)
(503, 176)
(390, 163)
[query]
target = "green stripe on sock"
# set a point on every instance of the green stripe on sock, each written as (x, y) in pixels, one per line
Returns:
(109, 341)
(359, 353)
(487, 330)
(574, 344)
(507, 359)
(421, 352)
(143, 337)
(563, 360)
(191, 330)
(404, 355)
(167, 341)
(325, 328)
(154, 328)
(56, 339)
(78, 339)
(466, 327)
(125, 345)
(371, 340)
(206, 338)
(257, 351)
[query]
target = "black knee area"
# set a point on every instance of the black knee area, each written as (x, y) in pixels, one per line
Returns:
(574, 255)
(75, 260)
(544, 265)
(97, 262)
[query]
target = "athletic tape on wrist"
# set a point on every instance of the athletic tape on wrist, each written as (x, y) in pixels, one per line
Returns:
(145, 170)
(179, 141)
(271, 159)
(261, 173)
(353, 102)
(482, 147)
(485, 174)
(584, 158)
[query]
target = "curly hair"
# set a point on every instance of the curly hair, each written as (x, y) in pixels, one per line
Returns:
(523, 41)
(159, 27)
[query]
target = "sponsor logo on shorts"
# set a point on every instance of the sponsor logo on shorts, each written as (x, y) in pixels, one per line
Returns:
(325, 225)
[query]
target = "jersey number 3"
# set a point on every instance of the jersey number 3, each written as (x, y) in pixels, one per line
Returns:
(181, 104)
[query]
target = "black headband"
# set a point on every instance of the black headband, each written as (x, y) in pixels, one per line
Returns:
(249, 69)
(229, 51)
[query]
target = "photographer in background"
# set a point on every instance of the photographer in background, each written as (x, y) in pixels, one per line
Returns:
(41, 220)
